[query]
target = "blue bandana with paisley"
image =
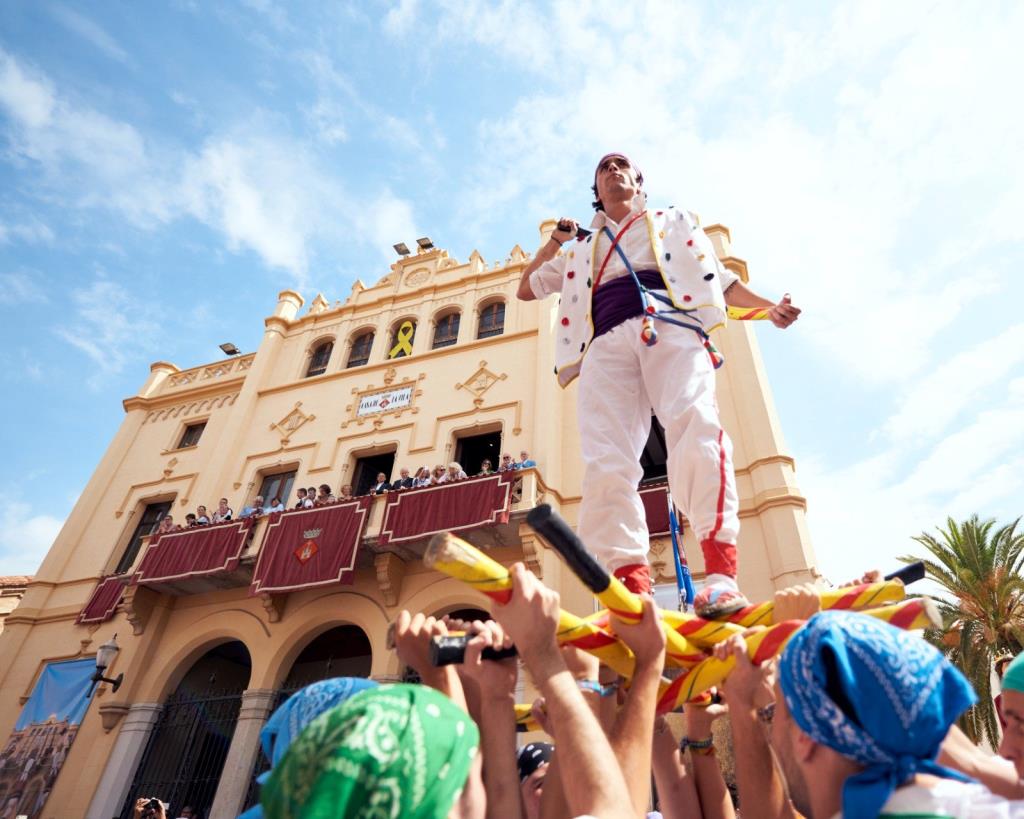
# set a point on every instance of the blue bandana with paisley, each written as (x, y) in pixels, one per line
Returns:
(295, 713)
(878, 695)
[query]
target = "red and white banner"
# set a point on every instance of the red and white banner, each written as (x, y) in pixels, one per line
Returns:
(103, 601)
(655, 500)
(204, 550)
(311, 547)
(412, 514)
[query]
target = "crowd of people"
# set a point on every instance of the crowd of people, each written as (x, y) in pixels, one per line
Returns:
(308, 498)
(855, 718)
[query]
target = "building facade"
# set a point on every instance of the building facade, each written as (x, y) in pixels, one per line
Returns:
(436, 362)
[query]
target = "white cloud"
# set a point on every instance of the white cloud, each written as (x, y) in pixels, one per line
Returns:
(248, 191)
(25, 537)
(31, 232)
(28, 99)
(89, 30)
(20, 288)
(263, 191)
(401, 17)
(110, 326)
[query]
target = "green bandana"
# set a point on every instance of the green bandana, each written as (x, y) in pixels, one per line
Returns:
(395, 751)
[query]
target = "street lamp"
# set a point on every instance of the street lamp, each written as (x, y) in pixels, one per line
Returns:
(104, 657)
(425, 243)
(402, 249)
(230, 349)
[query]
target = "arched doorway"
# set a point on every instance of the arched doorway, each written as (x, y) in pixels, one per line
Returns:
(185, 754)
(343, 651)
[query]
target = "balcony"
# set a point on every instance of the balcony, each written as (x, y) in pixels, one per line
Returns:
(326, 546)
(486, 511)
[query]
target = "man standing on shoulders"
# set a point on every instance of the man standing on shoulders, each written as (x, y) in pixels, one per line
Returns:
(636, 266)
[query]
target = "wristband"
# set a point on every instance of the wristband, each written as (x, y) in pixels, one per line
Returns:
(699, 746)
(595, 687)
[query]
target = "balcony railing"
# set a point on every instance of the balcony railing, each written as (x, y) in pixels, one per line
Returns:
(228, 559)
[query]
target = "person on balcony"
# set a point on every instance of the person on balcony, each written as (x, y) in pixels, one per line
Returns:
(301, 503)
(422, 478)
(325, 497)
(254, 511)
(454, 473)
(275, 506)
(381, 486)
(525, 461)
(507, 464)
(223, 512)
(639, 265)
(439, 475)
(406, 481)
(346, 493)
(202, 518)
(166, 525)
(311, 497)
(485, 468)
(190, 521)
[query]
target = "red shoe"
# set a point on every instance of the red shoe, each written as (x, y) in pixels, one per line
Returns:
(636, 577)
(719, 600)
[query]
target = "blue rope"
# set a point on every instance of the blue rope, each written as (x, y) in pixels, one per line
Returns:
(646, 295)
(649, 334)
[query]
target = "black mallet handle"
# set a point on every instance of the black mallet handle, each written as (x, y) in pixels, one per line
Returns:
(908, 574)
(552, 526)
(451, 650)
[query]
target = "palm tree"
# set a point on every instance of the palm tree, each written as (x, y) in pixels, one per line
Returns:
(979, 569)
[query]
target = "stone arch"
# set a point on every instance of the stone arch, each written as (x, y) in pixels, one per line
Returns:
(315, 617)
(182, 654)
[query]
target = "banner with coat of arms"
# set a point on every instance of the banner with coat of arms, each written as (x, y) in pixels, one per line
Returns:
(311, 547)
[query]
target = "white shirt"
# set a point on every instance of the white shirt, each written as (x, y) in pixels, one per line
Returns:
(950, 798)
(635, 243)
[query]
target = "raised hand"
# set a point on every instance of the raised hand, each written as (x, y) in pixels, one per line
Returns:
(494, 679)
(565, 230)
(646, 639)
(784, 313)
(531, 615)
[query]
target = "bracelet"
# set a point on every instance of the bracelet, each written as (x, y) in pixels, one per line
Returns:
(595, 687)
(698, 746)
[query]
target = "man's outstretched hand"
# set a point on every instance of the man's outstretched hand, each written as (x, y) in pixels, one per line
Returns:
(784, 313)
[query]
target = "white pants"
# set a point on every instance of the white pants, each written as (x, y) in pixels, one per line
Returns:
(620, 382)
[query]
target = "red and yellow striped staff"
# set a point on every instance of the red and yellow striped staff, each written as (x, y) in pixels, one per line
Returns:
(850, 598)
(747, 313)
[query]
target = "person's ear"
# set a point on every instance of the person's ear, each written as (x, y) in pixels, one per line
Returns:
(804, 747)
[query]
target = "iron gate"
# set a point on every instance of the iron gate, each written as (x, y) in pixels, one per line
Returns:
(185, 754)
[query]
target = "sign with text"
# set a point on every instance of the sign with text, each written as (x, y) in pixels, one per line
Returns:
(381, 401)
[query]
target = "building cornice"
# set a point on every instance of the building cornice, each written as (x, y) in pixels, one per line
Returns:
(392, 298)
(475, 344)
(162, 401)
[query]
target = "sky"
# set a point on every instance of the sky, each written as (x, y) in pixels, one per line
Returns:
(167, 168)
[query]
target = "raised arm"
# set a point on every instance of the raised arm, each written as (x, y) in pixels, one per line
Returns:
(565, 230)
(762, 791)
(493, 687)
(596, 786)
(634, 728)
(782, 314)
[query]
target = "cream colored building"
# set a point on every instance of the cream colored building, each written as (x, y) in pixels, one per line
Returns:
(294, 406)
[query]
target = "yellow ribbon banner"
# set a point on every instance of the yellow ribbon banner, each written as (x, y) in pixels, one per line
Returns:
(403, 340)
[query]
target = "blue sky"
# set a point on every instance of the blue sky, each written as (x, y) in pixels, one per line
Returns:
(166, 169)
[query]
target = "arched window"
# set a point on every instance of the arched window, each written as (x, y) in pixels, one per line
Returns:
(318, 361)
(446, 331)
(360, 352)
(402, 337)
(492, 320)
